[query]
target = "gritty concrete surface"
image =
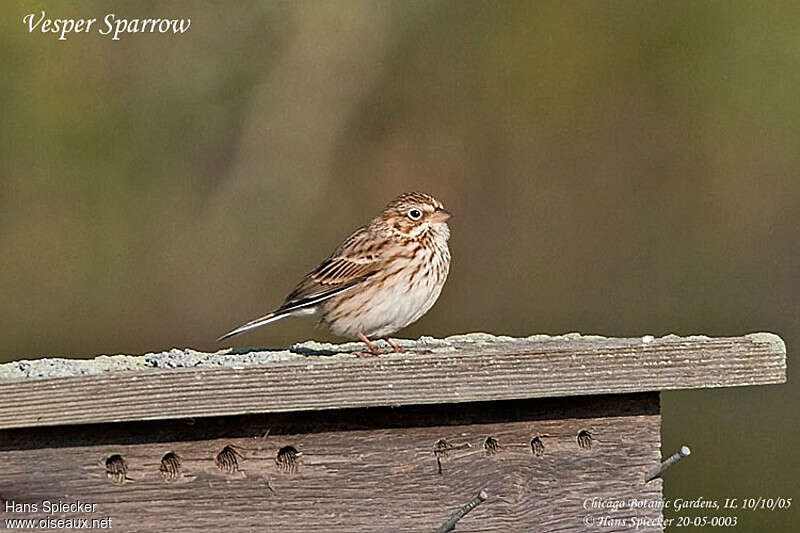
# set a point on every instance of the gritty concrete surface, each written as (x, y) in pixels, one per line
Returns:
(305, 351)
(226, 358)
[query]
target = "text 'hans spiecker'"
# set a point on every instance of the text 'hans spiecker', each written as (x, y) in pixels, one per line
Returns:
(110, 25)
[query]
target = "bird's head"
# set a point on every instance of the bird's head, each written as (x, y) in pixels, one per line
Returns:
(414, 214)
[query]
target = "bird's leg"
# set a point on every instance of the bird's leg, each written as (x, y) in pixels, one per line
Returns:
(369, 344)
(395, 347)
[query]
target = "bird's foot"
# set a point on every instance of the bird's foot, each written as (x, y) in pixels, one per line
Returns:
(373, 350)
(395, 346)
(399, 349)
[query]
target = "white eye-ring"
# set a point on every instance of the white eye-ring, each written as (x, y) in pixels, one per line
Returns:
(414, 213)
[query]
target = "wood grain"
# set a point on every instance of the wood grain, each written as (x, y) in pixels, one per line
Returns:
(370, 469)
(464, 372)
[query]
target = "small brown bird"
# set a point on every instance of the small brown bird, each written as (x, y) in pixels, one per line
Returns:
(382, 278)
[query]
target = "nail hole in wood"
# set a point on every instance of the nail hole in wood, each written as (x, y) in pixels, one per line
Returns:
(537, 446)
(116, 469)
(227, 459)
(287, 459)
(441, 450)
(490, 445)
(584, 439)
(170, 466)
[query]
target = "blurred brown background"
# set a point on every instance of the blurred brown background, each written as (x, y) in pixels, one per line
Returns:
(618, 168)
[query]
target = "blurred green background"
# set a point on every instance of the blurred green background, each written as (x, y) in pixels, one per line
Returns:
(619, 168)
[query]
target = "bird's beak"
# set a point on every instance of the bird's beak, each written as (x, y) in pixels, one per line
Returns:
(440, 215)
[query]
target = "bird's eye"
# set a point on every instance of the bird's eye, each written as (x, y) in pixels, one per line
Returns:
(414, 214)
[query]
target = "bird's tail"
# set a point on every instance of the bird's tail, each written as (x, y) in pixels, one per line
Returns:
(296, 307)
(258, 322)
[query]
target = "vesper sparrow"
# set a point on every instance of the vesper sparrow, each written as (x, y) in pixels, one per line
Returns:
(383, 277)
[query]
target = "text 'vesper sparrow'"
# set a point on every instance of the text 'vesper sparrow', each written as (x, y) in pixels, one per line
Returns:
(383, 277)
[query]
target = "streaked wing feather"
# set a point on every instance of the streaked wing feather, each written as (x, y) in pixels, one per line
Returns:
(313, 298)
(345, 268)
(341, 270)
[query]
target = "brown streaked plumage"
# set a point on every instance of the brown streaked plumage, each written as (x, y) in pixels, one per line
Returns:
(383, 277)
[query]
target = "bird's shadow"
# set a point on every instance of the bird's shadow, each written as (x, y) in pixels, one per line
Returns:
(326, 350)
(299, 350)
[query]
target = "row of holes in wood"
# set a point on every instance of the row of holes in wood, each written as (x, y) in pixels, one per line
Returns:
(227, 460)
(441, 450)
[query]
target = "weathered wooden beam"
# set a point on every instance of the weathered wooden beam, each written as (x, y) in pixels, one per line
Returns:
(311, 376)
(545, 465)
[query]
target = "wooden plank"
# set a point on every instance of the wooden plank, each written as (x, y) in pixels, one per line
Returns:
(459, 369)
(372, 469)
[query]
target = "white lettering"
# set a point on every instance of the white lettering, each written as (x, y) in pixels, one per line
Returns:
(188, 24)
(28, 19)
(112, 25)
(107, 20)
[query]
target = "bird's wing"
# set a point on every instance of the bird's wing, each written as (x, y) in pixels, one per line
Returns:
(355, 260)
(350, 264)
